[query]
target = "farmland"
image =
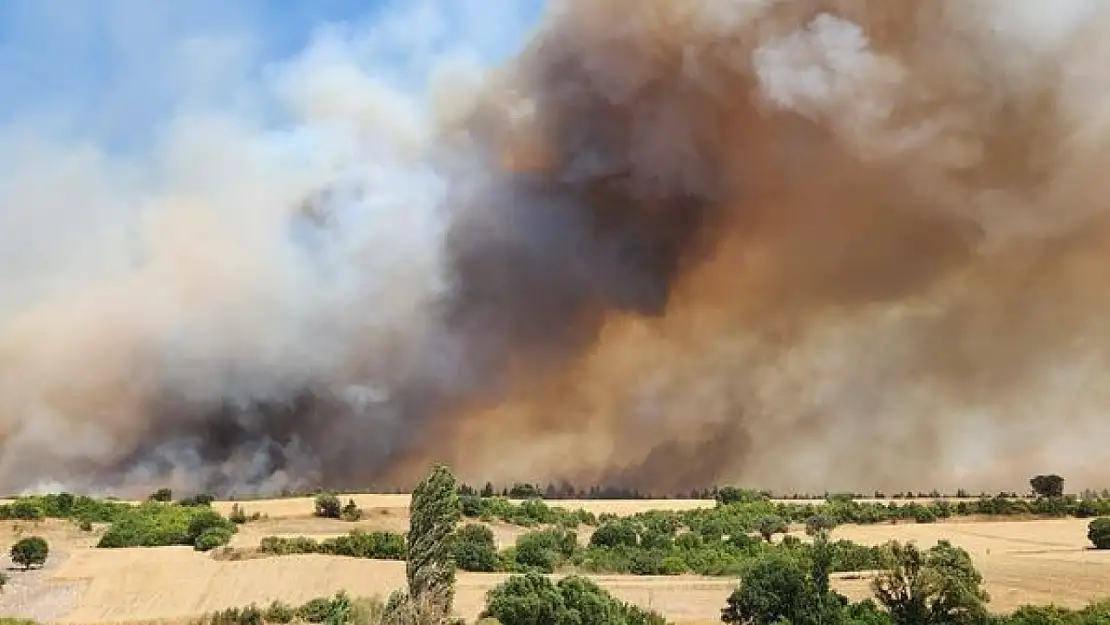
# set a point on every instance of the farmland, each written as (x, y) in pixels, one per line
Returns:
(1023, 561)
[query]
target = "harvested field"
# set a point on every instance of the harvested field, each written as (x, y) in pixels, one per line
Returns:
(1038, 561)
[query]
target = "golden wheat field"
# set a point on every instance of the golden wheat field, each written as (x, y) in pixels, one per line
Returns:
(1038, 561)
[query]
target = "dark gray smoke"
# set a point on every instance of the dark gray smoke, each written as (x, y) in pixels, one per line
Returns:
(804, 245)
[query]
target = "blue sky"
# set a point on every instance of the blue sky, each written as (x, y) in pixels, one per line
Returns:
(111, 70)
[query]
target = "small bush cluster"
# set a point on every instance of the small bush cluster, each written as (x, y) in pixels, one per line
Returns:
(532, 598)
(339, 609)
(30, 551)
(155, 524)
(63, 506)
(357, 544)
(526, 514)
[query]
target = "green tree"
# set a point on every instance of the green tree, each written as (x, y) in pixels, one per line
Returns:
(1048, 485)
(328, 506)
(430, 566)
(351, 512)
(162, 495)
(939, 586)
(475, 549)
(1098, 532)
(818, 523)
(770, 525)
(773, 589)
(30, 551)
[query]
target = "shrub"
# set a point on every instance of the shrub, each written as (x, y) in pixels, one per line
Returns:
(532, 599)
(211, 538)
(85, 525)
(158, 525)
(237, 514)
(475, 549)
(328, 506)
(200, 499)
(620, 533)
(162, 495)
(819, 523)
(280, 613)
(30, 551)
(350, 512)
(1098, 532)
(26, 510)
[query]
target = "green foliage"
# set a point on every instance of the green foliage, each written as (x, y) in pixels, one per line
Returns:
(237, 515)
(162, 495)
(533, 599)
(63, 506)
(1098, 532)
(526, 514)
(200, 499)
(429, 567)
(356, 544)
(339, 609)
(328, 506)
(819, 523)
(30, 551)
(475, 549)
(770, 525)
(212, 537)
(618, 533)
(732, 495)
(939, 586)
(157, 525)
(350, 512)
(1047, 485)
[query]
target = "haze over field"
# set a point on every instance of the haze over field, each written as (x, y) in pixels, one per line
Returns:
(799, 244)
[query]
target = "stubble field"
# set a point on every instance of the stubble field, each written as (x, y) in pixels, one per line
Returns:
(1032, 561)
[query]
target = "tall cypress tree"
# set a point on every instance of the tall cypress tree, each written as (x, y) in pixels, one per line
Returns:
(429, 567)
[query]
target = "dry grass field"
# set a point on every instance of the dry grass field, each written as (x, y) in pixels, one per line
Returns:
(1023, 562)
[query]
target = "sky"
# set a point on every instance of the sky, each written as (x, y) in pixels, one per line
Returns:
(113, 71)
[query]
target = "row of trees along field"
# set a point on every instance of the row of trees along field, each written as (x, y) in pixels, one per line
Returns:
(937, 586)
(787, 584)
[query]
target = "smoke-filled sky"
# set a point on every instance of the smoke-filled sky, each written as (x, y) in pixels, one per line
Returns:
(797, 244)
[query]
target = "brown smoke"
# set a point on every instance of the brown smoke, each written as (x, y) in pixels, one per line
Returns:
(800, 245)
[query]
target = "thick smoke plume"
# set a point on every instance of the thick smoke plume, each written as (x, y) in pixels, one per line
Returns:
(796, 244)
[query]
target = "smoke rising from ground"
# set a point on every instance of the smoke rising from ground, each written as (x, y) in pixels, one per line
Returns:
(796, 244)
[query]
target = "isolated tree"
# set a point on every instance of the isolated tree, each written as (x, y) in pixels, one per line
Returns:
(819, 523)
(30, 551)
(475, 549)
(1098, 532)
(328, 506)
(430, 566)
(163, 495)
(773, 589)
(939, 586)
(1048, 485)
(770, 525)
(351, 512)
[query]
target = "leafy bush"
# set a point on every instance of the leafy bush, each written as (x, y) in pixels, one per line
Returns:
(328, 506)
(357, 544)
(350, 512)
(475, 549)
(534, 599)
(30, 551)
(159, 525)
(1098, 532)
(211, 538)
(162, 495)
